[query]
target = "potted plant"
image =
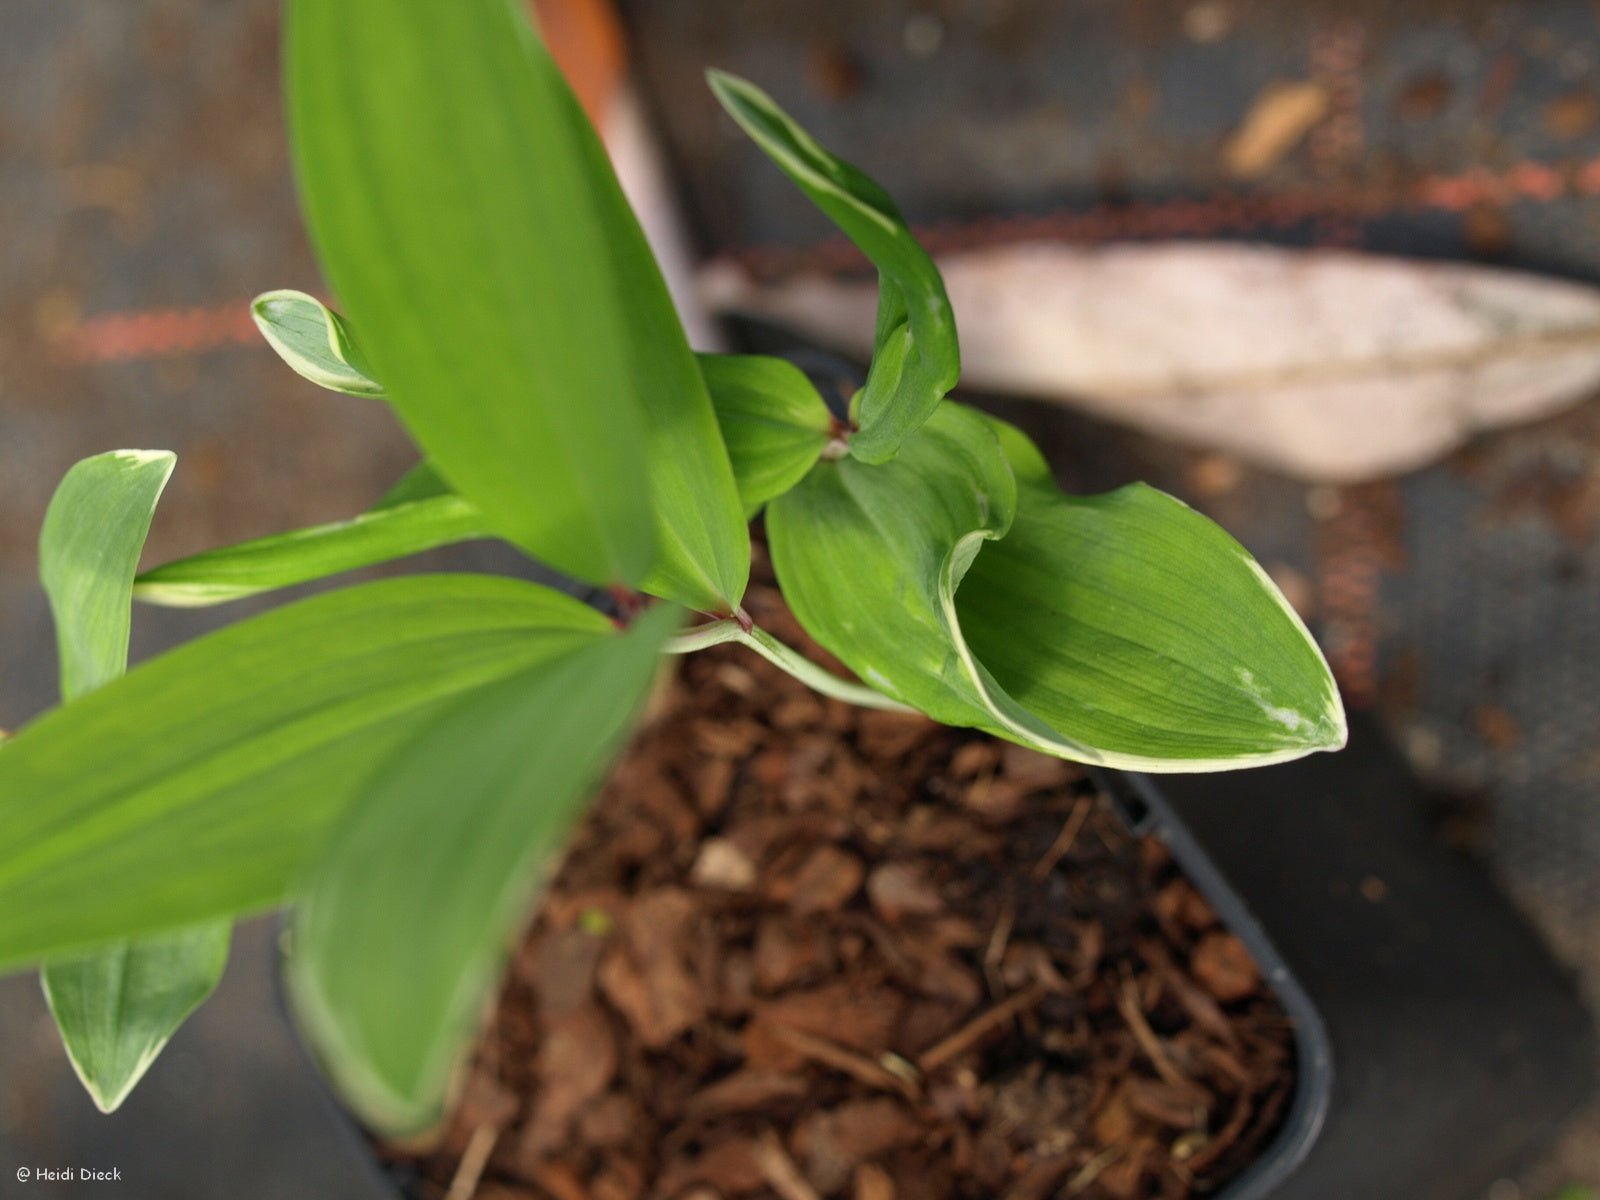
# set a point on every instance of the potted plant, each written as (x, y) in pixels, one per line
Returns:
(400, 763)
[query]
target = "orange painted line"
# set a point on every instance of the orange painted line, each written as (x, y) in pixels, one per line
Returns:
(1225, 213)
(162, 333)
(585, 37)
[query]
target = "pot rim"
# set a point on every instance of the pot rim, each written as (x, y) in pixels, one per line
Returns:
(1146, 812)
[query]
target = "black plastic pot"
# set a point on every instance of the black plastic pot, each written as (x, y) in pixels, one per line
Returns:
(1146, 812)
(1437, 1043)
(1458, 1045)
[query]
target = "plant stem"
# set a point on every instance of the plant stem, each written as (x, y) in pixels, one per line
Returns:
(770, 648)
(807, 672)
(703, 637)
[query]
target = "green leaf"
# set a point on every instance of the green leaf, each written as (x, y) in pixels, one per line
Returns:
(315, 341)
(286, 559)
(772, 419)
(1124, 629)
(451, 201)
(916, 359)
(1182, 653)
(404, 925)
(467, 216)
(773, 422)
(863, 552)
(421, 482)
(89, 550)
(118, 1007)
(201, 783)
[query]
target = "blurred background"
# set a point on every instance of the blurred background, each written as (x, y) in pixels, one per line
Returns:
(145, 197)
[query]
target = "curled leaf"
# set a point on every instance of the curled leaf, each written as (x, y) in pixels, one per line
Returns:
(315, 341)
(915, 355)
(1124, 629)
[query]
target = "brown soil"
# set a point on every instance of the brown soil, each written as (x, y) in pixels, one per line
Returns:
(803, 950)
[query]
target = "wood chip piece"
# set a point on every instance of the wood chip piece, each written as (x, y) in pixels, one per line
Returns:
(614, 1120)
(780, 1171)
(861, 1017)
(470, 1170)
(645, 977)
(833, 1143)
(1032, 770)
(902, 889)
(996, 799)
(858, 1066)
(723, 865)
(891, 735)
(1161, 1102)
(576, 1063)
(872, 1182)
(732, 1167)
(973, 758)
(825, 881)
(787, 952)
(563, 968)
(1223, 966)
(746, 1091)
(979, 1028)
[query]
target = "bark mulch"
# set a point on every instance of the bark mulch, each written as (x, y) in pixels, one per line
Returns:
(803, 950)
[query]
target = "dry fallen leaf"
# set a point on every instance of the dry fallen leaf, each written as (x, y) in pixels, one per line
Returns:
(1333, 366)
(1281, 114)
